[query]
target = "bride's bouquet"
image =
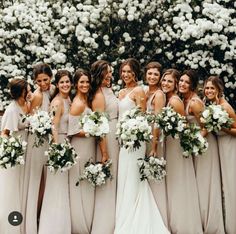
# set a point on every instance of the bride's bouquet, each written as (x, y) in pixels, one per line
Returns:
(12, 151)
(152, 168)
(40, 124)
(61, 156)
(192, 142)
(95, 124)
(171, 122)
(214, 117)
(133, 128)
(96, 173)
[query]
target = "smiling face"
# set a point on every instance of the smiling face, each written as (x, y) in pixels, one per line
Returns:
(153, 76)
(127, 75)
(210, 91)
(184, 84)
(64, 85)
(83, 84)
(107, 77)
(168, 83)
(43, 81)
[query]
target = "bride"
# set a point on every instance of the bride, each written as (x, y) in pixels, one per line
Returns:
(136, 210)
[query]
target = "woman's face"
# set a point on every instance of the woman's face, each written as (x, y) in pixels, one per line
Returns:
(27, 94)
(153, 76)
(83, 84)
(64, 85)
(168, 83)
(107, 78)
(184, 84)
(43, 81)
(210, 91)
(127, 75)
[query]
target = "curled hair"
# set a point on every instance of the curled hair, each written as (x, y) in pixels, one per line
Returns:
(134, 66)
(17, 87)
(174, 73)
(99, 69)
(58, 76)
(193, 78)
(41, 68)
(217, 82)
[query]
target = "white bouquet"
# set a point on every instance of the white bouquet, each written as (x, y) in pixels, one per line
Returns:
(152, 168)
(96, 173)
(214, 117)
(133, 128)
(95, 124)
(192, 142)
(40, 123)
(171, 122)
(12, 151)
(61, 156)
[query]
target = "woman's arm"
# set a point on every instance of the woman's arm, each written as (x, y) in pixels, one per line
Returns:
(230, 111)
(57, 107)
(36, 101)
(98, 104)
(197, 108)
(76, 109)
(159, 103)
(140, 98)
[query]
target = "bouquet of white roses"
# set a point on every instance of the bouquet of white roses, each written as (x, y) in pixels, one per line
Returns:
(12, 151)
(152, 168)
(133, 128)
(61, 156)
(171, 122)
(214, 117)
(95, 124)
(192, 142)
(40, 123)
(96, 173)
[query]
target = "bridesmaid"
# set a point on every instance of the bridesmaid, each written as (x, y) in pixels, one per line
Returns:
(55, 213)
(81, 197)
(156, 100)
(183, 204)
(213, 91)
(11, 179)
(103, 99)
(35, 158)
(207, 166)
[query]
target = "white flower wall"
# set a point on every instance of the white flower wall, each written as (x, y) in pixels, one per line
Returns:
(74, 33)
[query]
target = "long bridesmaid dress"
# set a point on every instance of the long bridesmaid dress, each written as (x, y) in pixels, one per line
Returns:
(33, 173)
(158, 187)
(12, 179)
(55, 212)
(227, 151)
(183, 204)
(105, 196)
(81, 197)
(207, 169)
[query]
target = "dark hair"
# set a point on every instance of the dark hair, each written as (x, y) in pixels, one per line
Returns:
(134, 65)
(17, 87)
(193, 78)
(58, 76)
(98, 71)
(153, 64)
(175, 74)
(41, 68)
(81, 72)
(217, 82)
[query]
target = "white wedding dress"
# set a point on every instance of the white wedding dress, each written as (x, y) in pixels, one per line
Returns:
(136, 209)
